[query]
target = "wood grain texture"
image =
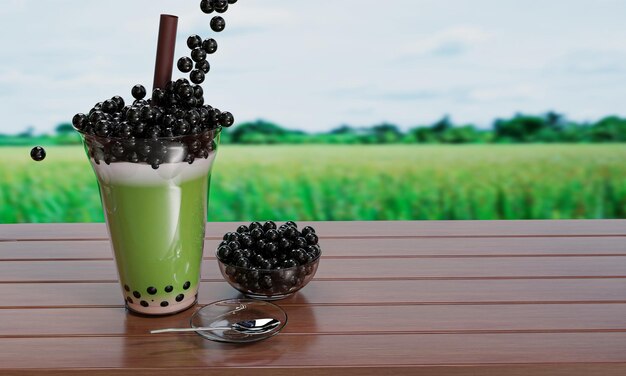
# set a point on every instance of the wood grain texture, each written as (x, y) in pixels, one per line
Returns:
(352, 269)
(307, 319)
(568, 228)
(356, 247)
(305, 350)
(537, 369)
(550, 291)
(563, 369)
(447, 298)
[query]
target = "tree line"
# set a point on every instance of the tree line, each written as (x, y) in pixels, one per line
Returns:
(521, 128)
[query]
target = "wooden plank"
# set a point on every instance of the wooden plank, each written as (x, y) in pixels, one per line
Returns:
(335, 320)
(538, 369)
(371, 247)
(179, 352)
(357, 269)
(572, 228)
(43, 295)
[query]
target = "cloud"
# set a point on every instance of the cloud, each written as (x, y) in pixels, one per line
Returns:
(589, 62)
(449, 42)
(517, 92)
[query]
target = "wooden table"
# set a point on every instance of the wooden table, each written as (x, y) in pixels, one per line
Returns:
(414, 298)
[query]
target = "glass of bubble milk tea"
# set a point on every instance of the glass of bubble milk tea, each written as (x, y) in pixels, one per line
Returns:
(154, 195)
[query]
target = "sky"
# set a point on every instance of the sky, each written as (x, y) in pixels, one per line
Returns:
(315, 65)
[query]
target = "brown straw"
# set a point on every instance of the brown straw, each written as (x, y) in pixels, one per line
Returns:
(165, 51)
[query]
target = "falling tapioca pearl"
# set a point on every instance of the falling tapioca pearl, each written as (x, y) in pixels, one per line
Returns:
(194, 41)
(180, 297)
(185, 64)
(210, 45)
(206, 6)
(187, 285)
(198, 54)
(38, 154)
(197, 76)
(218, 24)
(204, 66)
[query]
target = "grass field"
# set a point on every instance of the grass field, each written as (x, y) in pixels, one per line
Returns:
(350, 183)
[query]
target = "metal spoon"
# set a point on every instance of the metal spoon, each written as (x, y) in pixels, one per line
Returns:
(258, 326)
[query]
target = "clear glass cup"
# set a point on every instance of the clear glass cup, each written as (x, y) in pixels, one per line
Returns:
(154, 195)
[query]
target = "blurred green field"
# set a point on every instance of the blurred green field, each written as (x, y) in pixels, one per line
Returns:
(322, 182)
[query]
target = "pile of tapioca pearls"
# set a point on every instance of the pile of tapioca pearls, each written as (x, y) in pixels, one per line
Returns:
(176, 111)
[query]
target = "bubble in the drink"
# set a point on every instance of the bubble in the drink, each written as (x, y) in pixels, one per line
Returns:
(38, 153)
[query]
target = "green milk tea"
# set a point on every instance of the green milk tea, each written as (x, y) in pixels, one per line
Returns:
(156, 220)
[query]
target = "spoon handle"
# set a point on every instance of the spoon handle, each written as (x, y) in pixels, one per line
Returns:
(178, 330)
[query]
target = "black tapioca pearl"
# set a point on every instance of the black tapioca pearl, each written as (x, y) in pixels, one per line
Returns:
(230, 271)
(180, 297)
(151, 290)
(187, 285)
(144, 303)
(266, 282)
(129, 300)
(253, 286)
(169, 288)
(241, 279)
(164, 304)
(136, 294)
(127, 288)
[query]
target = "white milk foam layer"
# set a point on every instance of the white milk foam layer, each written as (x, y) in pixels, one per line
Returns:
(127, 173)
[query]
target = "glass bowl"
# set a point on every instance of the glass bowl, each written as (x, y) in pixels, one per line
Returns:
(225, 313)
(269, 284)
